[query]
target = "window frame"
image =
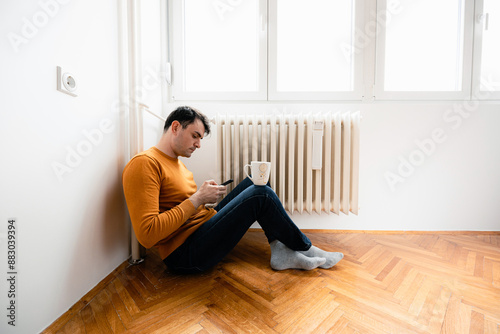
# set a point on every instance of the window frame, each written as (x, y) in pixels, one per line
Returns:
(382, 94)
(477, 93)
(178, 92)
(355, 95)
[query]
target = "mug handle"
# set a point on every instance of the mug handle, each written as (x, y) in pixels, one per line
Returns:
(246, 171)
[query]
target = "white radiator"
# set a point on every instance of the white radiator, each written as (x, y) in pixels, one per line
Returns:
(314, 158)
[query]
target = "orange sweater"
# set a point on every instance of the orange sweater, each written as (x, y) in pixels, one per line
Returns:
(157, 188)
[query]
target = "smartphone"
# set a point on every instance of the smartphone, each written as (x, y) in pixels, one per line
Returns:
(226, 183)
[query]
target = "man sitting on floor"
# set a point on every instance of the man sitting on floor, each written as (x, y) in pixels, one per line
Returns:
(168, 211)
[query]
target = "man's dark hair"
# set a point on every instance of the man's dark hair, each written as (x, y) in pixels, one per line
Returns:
(186, 115)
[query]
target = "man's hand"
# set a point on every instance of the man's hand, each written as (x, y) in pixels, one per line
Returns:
(209, 192)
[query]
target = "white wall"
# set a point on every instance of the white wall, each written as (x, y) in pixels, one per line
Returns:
(72, 229)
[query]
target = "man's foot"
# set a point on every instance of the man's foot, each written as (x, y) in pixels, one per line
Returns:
(283, 258)
(332, 258)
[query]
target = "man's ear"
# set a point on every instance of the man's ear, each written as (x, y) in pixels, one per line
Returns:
(176, 126)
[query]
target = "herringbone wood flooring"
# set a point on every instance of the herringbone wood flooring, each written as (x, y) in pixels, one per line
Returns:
(386, 283)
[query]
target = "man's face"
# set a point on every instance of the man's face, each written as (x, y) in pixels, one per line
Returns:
(189, 139)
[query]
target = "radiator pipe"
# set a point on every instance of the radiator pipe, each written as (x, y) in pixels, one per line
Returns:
(135, 114)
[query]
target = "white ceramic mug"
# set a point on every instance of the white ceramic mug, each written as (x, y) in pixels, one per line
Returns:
(260, 172)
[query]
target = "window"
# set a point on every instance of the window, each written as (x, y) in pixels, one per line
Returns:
(307, 50)
(423, 49)
(324, 50)
(220, 50)
(220, 53)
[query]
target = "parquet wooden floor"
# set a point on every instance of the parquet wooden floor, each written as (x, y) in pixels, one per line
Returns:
(386, 283)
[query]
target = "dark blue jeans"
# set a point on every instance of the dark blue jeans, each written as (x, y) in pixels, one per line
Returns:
(243, 206)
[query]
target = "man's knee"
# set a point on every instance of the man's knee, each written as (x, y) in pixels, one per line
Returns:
(265, 191)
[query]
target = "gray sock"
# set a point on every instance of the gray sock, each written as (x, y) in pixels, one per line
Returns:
(332, 258)
(283, 257)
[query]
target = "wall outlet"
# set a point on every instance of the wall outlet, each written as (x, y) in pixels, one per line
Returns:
(66, 82)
